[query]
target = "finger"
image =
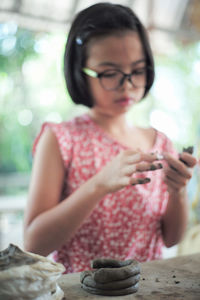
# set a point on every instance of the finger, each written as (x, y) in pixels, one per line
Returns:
(150, 157)
(129, 170)
(148, 167)
(141, 156)
(129, 153)
(171, 183)
(177, 165)
(135, 181)
(188, 159)
(142, 167)
(176, 177)
(187, 174)
(133, 158)
(125, 181)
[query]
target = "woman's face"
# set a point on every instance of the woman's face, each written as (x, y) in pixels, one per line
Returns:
(123, 52)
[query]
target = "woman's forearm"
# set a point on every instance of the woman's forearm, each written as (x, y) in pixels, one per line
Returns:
(49, 230)
(175, 219)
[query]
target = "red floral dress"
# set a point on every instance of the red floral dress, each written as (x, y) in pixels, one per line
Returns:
(125, 224)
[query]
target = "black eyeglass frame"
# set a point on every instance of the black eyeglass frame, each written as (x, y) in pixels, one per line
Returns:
(99, 75)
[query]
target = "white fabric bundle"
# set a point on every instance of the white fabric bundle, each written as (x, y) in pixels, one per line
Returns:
(25, 275)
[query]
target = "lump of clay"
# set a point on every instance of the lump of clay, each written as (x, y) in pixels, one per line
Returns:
(25, 275)
(189, 149)
(111, 277)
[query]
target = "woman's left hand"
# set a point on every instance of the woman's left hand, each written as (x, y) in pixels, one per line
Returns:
(178, 172)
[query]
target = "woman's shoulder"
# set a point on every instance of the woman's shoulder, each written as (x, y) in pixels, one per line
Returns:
(156, 139)
(153, 133)
(63, 134)
(162, 141)
(75, 123)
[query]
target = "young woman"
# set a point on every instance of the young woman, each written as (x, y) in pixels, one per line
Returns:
(97, 187)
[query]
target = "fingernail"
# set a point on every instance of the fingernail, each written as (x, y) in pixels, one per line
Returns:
(152, 167)
(155, 167)
(143, 180)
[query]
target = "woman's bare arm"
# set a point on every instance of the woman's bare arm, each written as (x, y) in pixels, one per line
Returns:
(49, 223)
(177, 176)
(175, 220)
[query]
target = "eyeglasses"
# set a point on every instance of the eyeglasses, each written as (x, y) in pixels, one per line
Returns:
(111, 80)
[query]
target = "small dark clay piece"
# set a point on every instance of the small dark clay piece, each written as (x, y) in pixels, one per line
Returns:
(155, 167)
(143, 180)
(177, 281)
(189, 149)
(152, 167)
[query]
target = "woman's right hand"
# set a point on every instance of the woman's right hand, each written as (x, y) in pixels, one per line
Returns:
(118, 173)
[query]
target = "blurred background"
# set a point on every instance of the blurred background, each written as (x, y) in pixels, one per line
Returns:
(32, 90)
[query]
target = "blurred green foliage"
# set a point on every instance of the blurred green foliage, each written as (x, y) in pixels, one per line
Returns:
(31, 90)
(16, 46)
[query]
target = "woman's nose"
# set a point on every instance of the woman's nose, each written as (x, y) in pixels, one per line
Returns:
(126, 82)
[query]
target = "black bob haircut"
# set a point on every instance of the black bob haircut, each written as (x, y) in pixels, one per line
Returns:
(98, 20)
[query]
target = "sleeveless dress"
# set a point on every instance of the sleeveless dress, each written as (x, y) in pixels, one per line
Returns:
(125, 224)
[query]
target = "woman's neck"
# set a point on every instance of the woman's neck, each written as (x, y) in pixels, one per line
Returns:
(115, 125)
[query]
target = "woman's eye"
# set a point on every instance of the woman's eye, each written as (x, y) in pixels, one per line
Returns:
(141, 71)
(110, 74)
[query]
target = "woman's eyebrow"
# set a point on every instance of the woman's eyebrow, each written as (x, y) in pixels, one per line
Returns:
(111, 64)
(143, 60)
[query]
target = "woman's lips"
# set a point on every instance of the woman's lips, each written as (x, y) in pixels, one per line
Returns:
(125, 101)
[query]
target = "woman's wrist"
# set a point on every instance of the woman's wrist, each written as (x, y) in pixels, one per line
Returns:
(178, 195)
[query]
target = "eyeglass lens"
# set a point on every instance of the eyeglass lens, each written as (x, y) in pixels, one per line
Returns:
(111, 80)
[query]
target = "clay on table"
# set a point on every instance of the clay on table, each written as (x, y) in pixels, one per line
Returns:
(119, 292)
(111, 277)
(120, 284)
(107, 274)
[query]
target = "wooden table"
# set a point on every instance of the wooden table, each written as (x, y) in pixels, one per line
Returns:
(175, 278)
